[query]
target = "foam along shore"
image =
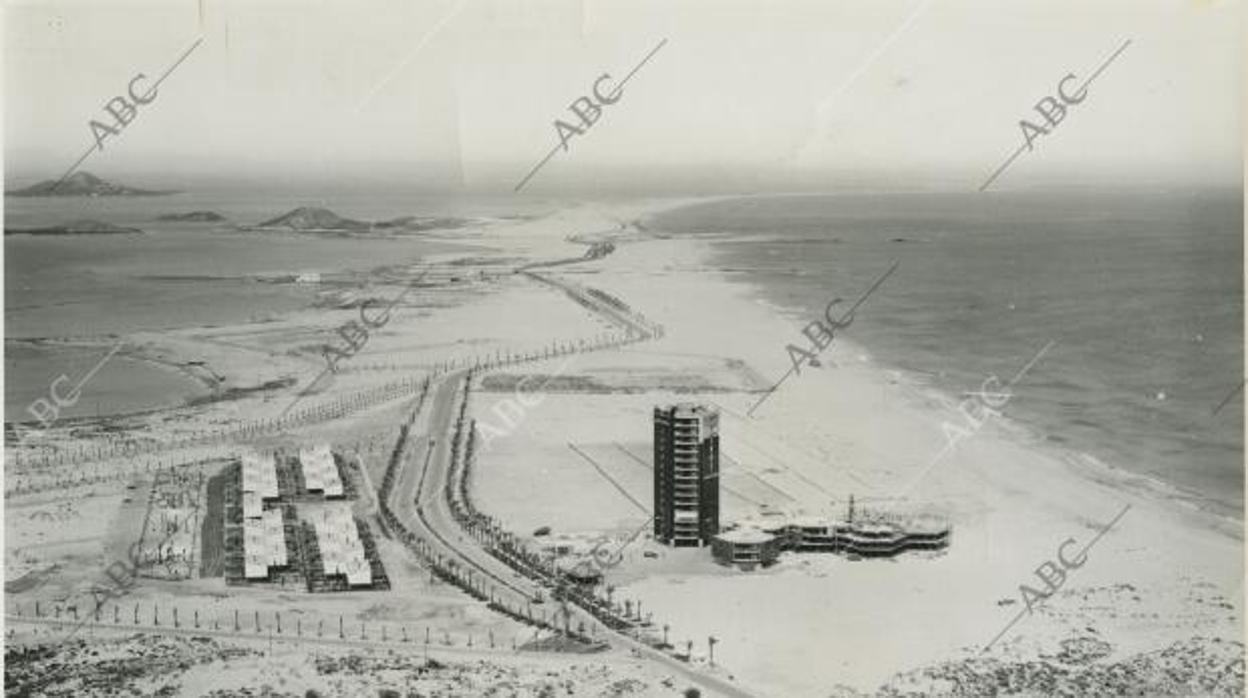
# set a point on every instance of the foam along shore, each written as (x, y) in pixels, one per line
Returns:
(1164, 574)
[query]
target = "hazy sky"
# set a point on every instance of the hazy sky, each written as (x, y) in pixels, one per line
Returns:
(744, 95)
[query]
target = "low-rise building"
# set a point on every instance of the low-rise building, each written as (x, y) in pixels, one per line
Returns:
(746, 548)
(754, 544)
(264, 545)
(320, 472)
(342, 551)
(260, 474)
(259, 483)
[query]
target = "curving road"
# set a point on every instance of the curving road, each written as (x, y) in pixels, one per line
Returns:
(419, 500)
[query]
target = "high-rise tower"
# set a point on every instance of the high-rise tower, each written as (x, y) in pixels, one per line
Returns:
(686, 475)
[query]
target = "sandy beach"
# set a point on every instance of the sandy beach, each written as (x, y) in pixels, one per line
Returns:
(1165, 573)
(577, 458)
(624, 350)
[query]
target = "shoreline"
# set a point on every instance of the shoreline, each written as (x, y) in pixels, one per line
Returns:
(1227, 516)
(858, 426)
(852, 426)
(1228, 519)
(136, 356)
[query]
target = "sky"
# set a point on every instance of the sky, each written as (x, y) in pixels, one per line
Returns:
(740, 96)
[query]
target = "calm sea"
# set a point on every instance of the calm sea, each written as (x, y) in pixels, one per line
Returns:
(1142, 293)
(94, 289)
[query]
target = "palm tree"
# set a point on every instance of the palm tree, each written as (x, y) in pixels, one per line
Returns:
(710, 641)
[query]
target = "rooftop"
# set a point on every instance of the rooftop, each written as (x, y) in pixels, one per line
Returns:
(259, 474)
(744, 536)
(689, 409)
(320, 473)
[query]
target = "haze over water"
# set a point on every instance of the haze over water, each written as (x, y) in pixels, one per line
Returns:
(1141, 291)
(96, 288)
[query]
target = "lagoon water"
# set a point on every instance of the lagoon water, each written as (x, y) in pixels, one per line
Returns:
(93, 289)
(1142, 293)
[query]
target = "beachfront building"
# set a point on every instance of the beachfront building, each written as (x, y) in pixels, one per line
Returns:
(686, 475)
(746, 548)
(745, 545)
(320, 472)
(871, 538)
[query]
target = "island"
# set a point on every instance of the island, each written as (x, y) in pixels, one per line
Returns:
(84, 227)
(312, 219)
(193, 217)
(84, 184)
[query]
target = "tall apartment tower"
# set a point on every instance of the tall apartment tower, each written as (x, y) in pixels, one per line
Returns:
(686, 475)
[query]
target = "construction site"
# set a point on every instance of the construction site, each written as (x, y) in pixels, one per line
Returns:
(288, 521)
(169, 545)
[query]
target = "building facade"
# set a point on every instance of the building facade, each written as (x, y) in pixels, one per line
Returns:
(686, 475)
(746, 548)
(758, 544)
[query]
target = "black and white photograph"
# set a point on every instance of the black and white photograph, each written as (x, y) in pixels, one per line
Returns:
(671, 348)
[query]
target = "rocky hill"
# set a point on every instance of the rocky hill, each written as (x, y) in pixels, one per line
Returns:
(84, 227)
(312, 218)
(83, 184)
(193, 217)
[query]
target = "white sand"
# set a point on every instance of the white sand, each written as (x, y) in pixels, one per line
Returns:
(851, 427)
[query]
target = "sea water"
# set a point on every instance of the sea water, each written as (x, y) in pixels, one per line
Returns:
(1141, 292)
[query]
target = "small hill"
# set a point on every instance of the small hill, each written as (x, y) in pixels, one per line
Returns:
(83, 184)
(312, 218)
(193, 217)
(319, 220)
(84, 227)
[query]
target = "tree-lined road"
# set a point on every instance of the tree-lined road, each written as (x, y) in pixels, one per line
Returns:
(419, 500)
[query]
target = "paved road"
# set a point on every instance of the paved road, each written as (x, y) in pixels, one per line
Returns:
(423, 478)
(424, 474)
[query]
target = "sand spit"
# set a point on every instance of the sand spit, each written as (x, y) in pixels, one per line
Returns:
(847, 427)
(1155, 609)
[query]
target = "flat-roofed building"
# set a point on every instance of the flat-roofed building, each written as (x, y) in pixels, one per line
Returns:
(855, 538)
(320, 472)
(264, 545)
(686, 475)
(275, 537)
(746, 548)
(260, 474)
(342, 551)
(253, 506)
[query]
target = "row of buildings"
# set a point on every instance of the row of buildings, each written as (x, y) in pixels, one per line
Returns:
(759, 544)
(686, 506)
(264, 533)
(265, 545)
(340, 546)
